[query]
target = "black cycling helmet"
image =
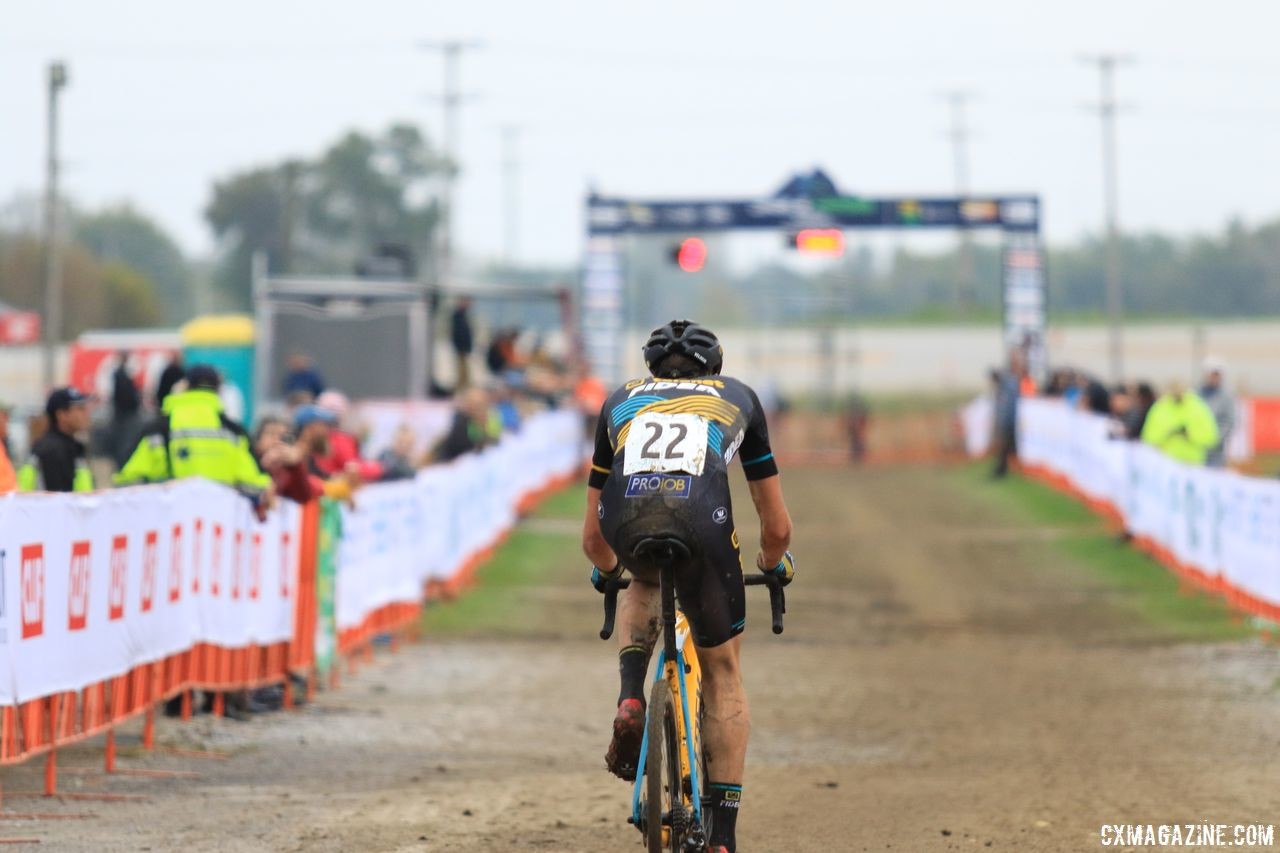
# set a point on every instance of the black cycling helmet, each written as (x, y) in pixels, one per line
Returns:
(688, 339)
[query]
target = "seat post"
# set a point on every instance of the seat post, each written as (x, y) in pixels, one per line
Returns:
(666, 580)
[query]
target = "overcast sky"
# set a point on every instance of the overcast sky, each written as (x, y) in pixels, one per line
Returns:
(659, 99)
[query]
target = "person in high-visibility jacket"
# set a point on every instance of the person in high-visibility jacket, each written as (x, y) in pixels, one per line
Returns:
(193, 437)
(57, 462)
(1182, 426)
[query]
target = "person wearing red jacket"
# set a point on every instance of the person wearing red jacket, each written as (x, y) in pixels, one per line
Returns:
(344, 451)
(285, 461)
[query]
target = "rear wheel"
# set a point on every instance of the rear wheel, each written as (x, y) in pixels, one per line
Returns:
(664, 813)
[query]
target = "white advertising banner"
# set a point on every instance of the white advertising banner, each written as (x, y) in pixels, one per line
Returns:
(92, 586)
(401, 534)
(1222, 524)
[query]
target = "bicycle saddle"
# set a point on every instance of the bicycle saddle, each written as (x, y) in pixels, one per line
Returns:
(661, 549)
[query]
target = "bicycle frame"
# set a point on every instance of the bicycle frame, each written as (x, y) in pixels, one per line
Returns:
(678, 664)
(680, 670)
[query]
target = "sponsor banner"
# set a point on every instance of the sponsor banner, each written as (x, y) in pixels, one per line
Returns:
(1025, 298)
(92, 586)
(1220, 524)
(399, 535)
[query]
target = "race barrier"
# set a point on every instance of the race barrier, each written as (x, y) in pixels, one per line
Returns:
(114, 601)
(1256, 431)
(1218, 529)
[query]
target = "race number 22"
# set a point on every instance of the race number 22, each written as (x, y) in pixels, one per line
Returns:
(661, 442)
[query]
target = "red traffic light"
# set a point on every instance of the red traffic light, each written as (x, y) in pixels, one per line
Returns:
(691, 254)
(820, 241)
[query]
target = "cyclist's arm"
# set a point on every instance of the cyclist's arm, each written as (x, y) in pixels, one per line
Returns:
(775, 521)
(593, 544)
(766, 489)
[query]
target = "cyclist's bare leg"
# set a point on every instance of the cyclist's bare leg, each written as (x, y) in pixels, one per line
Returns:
(728, 721)
(638, 613)
(725, 728)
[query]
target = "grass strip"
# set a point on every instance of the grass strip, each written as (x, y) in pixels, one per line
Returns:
(1142, 584)
(543, 548)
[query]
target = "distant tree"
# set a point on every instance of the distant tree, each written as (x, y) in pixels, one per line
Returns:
(326, 214)
(130, 298)
(95, 295)
(123, 234)
(247, 215)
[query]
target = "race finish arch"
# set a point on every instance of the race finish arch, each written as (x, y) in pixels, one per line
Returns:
(808, 201)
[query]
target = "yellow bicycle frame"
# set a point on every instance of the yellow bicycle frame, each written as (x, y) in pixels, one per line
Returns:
(684, 677)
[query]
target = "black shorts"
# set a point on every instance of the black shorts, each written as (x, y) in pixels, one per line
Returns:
(709, 585)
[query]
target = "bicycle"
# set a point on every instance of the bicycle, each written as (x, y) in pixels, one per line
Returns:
(668, 806)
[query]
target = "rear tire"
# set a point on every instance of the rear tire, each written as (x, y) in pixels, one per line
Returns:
(662, 770)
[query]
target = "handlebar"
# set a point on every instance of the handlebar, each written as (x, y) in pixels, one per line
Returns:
(777, 600)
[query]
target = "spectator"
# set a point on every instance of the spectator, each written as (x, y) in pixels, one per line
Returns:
(314, 426)
(1121, 402)
(462, 339)
(502, 357)
(57, 462)
(170, 376)
(8, 477)
(302, 383)
(857, 424)
(1181, 425)
(1223, 405)
(126, 408)
(285, 461)
(1093, 396)
(505, 407)
(344, 449)
(192, 437)
(397, 460)
(470, 429)
(1144, 397)
(1008, 389)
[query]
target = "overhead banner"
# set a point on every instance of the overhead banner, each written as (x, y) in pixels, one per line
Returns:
(637, 216)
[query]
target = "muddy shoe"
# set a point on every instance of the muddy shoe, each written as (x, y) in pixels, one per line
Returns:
(628, 731)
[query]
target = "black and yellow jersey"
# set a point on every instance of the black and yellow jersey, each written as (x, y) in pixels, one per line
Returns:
(688, 427)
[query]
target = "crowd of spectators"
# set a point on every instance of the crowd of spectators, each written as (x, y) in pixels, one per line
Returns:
(1192, 426)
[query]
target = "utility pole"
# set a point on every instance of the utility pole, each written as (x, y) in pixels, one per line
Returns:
(510, 193)
(451, 98)
(1106, 108)
(957, 100)
(52, 239)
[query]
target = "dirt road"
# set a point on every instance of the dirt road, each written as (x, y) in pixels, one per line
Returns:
(948, 680)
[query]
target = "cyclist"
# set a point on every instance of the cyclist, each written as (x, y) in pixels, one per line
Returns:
(660, 469)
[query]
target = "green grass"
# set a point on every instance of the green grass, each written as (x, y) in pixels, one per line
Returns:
(1142, 584)
(497, 603)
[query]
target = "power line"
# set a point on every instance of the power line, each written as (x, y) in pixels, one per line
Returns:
(957, 100)
(510, 192)
(52, 228)
(452, 98)
(1106, 108)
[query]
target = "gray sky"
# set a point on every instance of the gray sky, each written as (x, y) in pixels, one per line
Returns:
(664, 99)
